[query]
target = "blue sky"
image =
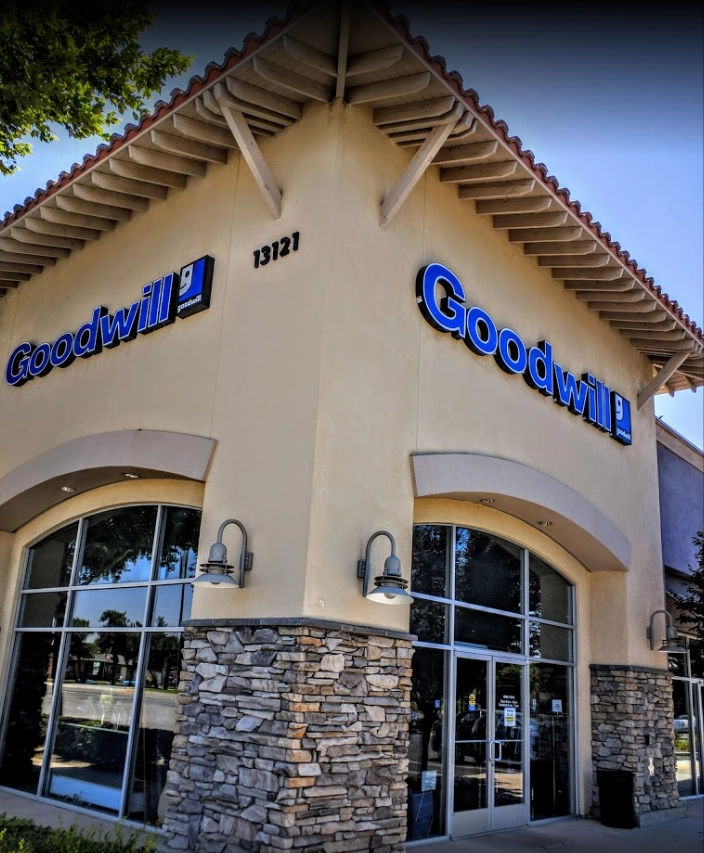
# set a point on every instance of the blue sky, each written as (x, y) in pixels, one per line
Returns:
(610, 101)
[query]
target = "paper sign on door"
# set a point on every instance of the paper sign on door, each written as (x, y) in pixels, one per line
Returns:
(509, 717)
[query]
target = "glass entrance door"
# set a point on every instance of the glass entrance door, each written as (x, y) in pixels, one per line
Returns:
(489, 745)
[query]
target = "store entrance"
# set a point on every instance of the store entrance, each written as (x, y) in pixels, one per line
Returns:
(489, 745)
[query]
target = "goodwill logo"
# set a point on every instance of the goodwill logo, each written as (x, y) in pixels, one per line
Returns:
(589, 397)
(162, 301)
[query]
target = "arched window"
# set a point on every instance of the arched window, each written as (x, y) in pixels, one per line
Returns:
(91, 704)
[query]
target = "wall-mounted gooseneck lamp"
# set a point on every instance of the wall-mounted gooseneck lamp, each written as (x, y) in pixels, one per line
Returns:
(217, 570)
(671, 643)
(389, 587)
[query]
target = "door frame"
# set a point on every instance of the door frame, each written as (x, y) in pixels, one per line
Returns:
(491, 659)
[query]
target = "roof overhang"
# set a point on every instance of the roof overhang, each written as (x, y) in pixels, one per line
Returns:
(360, 52)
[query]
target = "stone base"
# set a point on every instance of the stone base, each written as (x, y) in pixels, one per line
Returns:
(648, 819)
(632, 730)
(291, 735)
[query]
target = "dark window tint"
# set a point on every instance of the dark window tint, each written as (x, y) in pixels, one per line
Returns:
(548, 641)
(119, 545)
(487, 630)
(49, 563)
(431, 559)
(119, 608)
(487, 571)
(550, 596)
(428, 620)
(28, 713)
(43, 610)
(180, 544)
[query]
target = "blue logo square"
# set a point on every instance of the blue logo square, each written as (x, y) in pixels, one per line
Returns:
(620, 418)
(195, 284)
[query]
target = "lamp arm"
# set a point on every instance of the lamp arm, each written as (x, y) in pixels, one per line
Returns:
(368, 553)
(243, 552)
(651, 632)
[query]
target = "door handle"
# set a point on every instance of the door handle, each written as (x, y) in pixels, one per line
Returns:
(493, 752)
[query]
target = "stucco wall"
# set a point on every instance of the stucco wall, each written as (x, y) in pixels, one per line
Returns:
(318, 377)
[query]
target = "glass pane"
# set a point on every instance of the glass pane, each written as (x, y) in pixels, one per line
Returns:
(431, 559)
(683, 737)
(487, 571)
(172, 605)
(508, 734)
(109, 608)
(119, 545)
(547, 641)
(95, 714)
(487, 630)
(428, 621)
(470, 780)
(180, 544)
(550, 753)
(156, 728)
(49, 563)
(549, 594)
(30, 695)
(426, 794)
(43, 610)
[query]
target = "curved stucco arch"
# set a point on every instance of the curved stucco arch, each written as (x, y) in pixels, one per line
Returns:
(521, 491)
(96, 460)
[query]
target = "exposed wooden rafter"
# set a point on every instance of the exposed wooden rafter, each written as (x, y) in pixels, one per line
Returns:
(343, 45)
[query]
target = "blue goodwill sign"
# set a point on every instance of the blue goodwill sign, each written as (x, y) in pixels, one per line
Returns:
(162, 301)
(588, 397)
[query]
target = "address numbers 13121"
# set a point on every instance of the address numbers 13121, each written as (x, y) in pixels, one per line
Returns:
(277, 249)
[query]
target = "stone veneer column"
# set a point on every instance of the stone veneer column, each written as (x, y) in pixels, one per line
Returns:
(632, 730)
(292, 734)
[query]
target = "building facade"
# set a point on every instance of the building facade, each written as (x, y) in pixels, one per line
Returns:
(681, 486)
(343, 331)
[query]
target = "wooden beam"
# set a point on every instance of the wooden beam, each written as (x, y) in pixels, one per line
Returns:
(646, 314)
(413, 112)
(88, 208)
(464, 128)
(343, 46)
(24, 235)
(201, 131)
(640, 325)
(210, 115)
(126, 186)
(480, 172)
(256, 96)
(41, 226)
(98, 196)
(374, 60)
(620, 296)
(396, 88)
(12, 277)
(590, 260)
(503, 189)
(16, 248)
(536, 204)
(423, 126)
(11, 266)
(310, 56)
(655, 335)
(617, 310)
(413, 173)
(621, 285)
(189, 148)
(597, 274)
(258, 118)
(545, 235)
(666, 347)
(584, 247)
(63, 217)
(166, 162)
(254, 159)
(530, 220)
(147, 175)
(290, 80)
(459, 154)
(37, 260)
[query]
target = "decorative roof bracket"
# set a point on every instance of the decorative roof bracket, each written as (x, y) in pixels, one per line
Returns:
(663, 375)
(250, 151)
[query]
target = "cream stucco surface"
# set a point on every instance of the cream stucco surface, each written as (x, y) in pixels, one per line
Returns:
(318, 377)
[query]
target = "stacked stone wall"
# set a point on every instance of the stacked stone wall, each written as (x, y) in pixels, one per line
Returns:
(290, 737)
(632, 730)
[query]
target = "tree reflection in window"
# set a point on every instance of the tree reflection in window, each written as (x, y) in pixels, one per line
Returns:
(118, 546)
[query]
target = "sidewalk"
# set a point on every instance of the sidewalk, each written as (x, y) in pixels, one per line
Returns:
(587, 836)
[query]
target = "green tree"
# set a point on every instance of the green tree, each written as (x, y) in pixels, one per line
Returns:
(77, 65)
(692, 607)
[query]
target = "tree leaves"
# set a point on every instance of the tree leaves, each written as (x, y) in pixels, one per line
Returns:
(74, 65)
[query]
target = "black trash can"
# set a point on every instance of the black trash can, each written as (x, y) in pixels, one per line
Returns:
(616, 798)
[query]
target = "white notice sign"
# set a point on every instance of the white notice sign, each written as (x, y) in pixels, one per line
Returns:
(557, 706)
(509, 717)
